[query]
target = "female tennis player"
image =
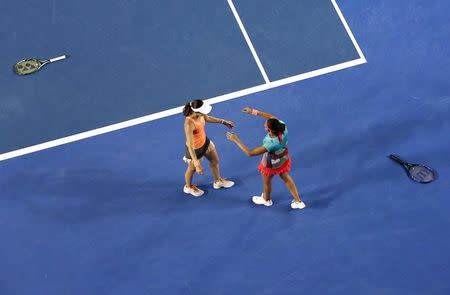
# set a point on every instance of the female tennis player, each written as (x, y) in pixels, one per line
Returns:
(275, 160)
(199, 145)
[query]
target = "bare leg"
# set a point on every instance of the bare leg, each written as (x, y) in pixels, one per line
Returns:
(291, 186)
(189, 174)
(267, 186)
(213, 159)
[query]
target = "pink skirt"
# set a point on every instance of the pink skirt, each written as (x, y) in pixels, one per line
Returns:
(285, 168)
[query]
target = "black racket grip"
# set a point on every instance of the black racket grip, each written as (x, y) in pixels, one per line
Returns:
(398, 159)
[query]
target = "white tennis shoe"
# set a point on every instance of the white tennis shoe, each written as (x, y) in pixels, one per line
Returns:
(259, 200)
(193, 190)
(222, 182)
(297, 205)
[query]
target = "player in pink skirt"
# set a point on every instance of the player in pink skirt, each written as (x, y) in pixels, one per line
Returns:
(275, 160)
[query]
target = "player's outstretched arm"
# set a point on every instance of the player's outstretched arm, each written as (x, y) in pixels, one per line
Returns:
(249, 152)
(256, 112)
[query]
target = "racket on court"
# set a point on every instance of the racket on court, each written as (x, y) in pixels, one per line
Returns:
(32, 65)
(416, 172)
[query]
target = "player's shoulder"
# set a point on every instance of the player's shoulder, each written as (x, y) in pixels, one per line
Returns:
(188, 121)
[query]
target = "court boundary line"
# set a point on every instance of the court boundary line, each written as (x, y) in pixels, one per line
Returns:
(213, 100)
(349, 31)
(249, 42)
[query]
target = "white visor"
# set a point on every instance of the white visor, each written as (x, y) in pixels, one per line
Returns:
(204, 109)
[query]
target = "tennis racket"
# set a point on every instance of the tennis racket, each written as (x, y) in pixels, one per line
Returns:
(29, 66)
(416, 172)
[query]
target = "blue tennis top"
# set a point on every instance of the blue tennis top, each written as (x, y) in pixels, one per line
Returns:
(273, 145)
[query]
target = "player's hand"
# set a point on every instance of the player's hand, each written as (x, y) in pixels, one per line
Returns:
(198, 167)
(232, 136)
(247, 110)
(227, 123)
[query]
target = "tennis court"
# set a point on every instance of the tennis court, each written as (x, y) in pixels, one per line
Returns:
(106, 214)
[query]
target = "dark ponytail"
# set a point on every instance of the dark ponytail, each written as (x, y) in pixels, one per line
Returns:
(187, 110)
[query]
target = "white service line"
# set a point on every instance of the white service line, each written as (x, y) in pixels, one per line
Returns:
(177, 110)
(249, 42)
(90, 133)
(347, 28)
(285, 81)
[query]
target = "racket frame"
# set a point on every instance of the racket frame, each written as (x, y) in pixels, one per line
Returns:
(41, 62)
(408, 166)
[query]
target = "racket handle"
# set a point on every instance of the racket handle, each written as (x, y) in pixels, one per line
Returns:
(59, 58)
(397, 159)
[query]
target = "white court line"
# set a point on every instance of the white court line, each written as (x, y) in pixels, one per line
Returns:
(347, 28)
(249, 42)
(178, 110)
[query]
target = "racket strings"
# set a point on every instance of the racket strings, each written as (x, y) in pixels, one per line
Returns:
(422, 174)
(27, 66)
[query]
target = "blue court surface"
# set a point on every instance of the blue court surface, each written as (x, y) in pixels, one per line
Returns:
(107, 214)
